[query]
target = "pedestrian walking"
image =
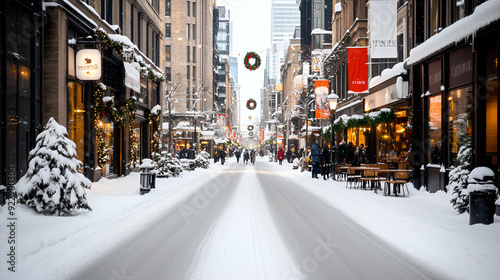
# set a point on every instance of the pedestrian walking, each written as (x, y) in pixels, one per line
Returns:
(281, 156)
(183, 153)
(325, 163)
(222, 156)
(237, 153)
(253, 154)
(289, 155)
(315, 159)
(246, 156)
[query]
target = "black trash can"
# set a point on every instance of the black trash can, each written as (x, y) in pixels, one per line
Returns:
(481, 207)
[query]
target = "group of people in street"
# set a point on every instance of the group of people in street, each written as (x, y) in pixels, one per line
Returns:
(247, 155)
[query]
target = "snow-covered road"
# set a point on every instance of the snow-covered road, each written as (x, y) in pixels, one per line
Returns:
(249, 223)
(262, 221)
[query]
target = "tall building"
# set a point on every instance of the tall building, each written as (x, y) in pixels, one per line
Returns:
(41, 81)
(224, 37)
(188, 46)
(285, 16)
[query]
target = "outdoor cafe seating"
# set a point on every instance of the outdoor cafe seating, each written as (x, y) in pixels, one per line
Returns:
(372, 176)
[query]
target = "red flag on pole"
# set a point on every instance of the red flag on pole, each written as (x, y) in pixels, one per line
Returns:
(321, 95)
(357, 69)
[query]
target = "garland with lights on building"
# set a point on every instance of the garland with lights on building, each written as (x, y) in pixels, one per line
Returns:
(251, 104)
(131, 110)
(249, 65)
(104, 107)
(154, 121)
(119, 47)
(384, 116)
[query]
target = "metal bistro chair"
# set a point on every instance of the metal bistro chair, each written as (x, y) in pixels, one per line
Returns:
(352, 178)
(400, 179)
(368, 178)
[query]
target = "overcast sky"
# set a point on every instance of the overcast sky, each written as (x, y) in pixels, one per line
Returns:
(251, 32)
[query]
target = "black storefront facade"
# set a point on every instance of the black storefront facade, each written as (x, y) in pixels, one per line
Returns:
(455, 95)
(21, 55)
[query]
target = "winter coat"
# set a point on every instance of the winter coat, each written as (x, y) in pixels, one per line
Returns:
(183, 153)
(237, 153)
(280, 155)
(326, 156)
(315, 153)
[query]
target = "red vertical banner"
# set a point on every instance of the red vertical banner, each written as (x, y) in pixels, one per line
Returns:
(357, 69)
(234, 134)
(261, 135)
(321, 96)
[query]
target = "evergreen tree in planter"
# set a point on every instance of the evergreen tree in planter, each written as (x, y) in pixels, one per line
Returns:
(201, 160)
(459, 176)
(52, 184)
(168, 166)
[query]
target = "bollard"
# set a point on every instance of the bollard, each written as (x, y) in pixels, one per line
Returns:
(146, 176)
(482, 195)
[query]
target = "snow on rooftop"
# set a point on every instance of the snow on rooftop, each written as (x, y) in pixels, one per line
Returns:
(484, 14)
(396, 70)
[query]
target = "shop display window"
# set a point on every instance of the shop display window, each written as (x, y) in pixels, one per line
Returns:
(459, 120)
(492, 119)
(76, 118)
(391, 139)
(434, 129)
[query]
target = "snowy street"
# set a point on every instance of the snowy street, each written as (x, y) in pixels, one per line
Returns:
(261, 221)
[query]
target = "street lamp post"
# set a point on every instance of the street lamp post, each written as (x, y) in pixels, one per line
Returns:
(332, 102)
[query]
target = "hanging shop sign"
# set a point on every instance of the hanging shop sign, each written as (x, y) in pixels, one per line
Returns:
(321, 96)
(357, 69)
(383, 29)
(88, 65)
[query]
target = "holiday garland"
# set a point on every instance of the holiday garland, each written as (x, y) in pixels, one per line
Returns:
(119, 48)
(154, 120)
(365, 121)
(251, 104)
(105, 107)
(249, 65)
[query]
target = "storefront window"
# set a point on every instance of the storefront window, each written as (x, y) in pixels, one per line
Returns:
(492, 118)
(135, 144)
(76, 118)
(108, 147)
(459, 102)
(391, 139)
(434, 128)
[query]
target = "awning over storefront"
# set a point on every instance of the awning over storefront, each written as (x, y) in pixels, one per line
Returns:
(207, 135)
(132, 76)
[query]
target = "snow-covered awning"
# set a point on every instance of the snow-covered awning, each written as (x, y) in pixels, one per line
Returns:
(132, 76)
(483, 15)
(319, 31)
(396, 70)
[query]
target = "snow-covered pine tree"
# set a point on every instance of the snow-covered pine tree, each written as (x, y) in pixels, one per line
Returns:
(459, 176)
(52, 184)
(168, 166)
(201, 160)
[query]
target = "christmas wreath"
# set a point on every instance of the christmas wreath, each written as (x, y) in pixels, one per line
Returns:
(251, 104)
(250, 133)
(250, 127)
(249, 65)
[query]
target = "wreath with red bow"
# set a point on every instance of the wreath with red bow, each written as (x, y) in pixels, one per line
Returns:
(249, 65)
(251, 104)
